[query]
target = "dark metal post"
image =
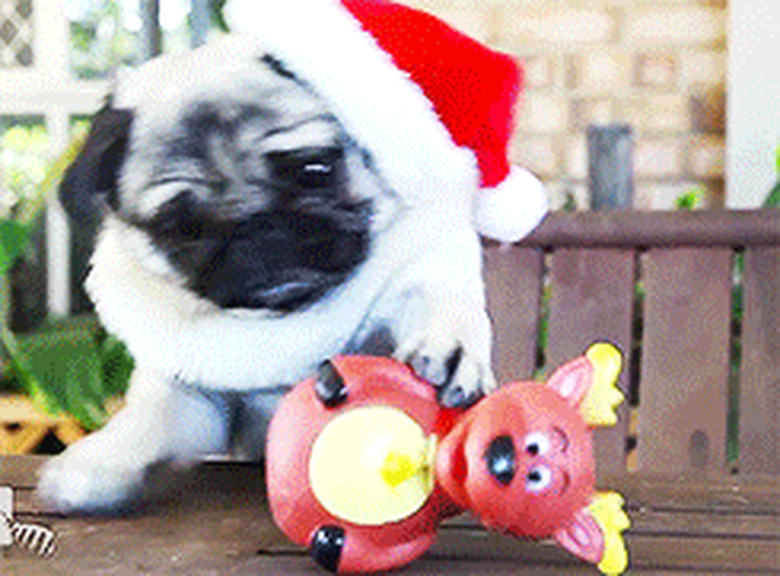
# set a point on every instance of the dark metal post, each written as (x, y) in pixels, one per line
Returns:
(151, 35)
(610, 170)
(201, 21)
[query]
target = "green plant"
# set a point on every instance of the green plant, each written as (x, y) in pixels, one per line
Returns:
(66, 365)
(773, 198)
(217, 16)
(690, 200)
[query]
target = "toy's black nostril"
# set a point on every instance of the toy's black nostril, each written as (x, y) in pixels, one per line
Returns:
(500, 459)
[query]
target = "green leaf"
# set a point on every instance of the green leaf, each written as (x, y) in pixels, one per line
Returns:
(217, 15)
(117, 365)
(14, 238)
(66, 365)
(773, 199)
(690, 200)
(777, 160)
(70, 365)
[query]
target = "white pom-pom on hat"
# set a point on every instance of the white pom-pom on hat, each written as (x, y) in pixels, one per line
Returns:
(511, 210)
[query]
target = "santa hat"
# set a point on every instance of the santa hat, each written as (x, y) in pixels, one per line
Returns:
(434, 107)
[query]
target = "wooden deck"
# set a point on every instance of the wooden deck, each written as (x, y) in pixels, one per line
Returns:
(215, 521)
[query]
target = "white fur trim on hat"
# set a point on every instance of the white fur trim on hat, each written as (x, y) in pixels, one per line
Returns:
(509, 211)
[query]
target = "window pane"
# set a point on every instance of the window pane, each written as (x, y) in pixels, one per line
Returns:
(108, 33)
(24, 148)
(16, 33)
(79, 125)
(103, 35)
(176, 25)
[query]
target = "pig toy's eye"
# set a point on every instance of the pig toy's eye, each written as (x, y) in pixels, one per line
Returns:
(539, 478)
(537, 444)
(500, 460)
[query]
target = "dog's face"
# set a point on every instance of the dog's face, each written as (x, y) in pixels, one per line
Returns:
(245, 185)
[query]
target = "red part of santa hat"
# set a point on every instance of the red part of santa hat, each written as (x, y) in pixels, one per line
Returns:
(430, 103)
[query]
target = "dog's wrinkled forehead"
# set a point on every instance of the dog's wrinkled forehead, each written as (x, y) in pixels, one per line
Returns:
(224, 86)
(174, 77)
(214, 117)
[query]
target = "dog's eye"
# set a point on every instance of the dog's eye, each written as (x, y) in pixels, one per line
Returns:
(311, 168)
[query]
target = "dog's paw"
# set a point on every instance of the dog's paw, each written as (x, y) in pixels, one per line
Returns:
(452, 352)
(73, 483)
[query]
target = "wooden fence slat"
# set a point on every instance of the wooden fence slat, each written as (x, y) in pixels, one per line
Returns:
(759, 443)
(655, 229)
(592, 300)
(685, 360)
(514, 286)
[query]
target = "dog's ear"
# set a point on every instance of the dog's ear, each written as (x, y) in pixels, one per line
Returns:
(90, 183)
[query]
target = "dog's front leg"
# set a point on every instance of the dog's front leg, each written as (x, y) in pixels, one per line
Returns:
(442, 326)
(160, 421)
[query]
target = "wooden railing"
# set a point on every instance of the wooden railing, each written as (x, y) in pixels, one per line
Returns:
(693, 300)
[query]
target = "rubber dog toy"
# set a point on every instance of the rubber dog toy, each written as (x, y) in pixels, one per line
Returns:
(363, 463)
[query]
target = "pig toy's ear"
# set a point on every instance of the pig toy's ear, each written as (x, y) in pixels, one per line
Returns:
(595, 534)
(572, 380)
(589, 383)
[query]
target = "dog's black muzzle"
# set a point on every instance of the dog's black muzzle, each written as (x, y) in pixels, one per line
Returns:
(281, 260)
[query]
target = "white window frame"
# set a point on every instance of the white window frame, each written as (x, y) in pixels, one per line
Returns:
(753, 125)
(48, 89)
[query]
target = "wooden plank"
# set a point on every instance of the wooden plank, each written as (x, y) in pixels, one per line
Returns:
(717, 494)
(22, 440)
(759, 407)
(215, 521)
(685, 361)
(205, 522)
(300, 565)
(638, 229)
(645, 551)
(482, 552)
(19, 471)
(695, 555)
(513, 278)
(225, 541)
(706, 524)
(592, 299)
(684, 524)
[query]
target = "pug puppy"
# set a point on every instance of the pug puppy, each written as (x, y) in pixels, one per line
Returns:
(246, 238)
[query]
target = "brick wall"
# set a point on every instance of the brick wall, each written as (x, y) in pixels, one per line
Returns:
(659, 65)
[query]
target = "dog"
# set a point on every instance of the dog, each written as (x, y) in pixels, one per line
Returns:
(246, 238)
